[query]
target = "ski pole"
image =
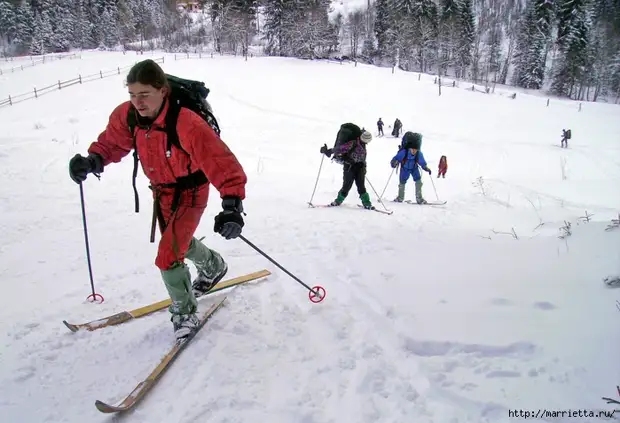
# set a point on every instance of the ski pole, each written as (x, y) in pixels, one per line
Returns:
(375, 191)
(317, 180)
(387, 183)
(94, 296)
(316, 293)
(433, 183)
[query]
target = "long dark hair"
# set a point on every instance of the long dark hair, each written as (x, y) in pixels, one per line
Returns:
(147, 72)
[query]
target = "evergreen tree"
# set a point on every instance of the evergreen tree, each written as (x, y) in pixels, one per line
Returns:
(532, 37)
(466, 28)
(42, 32)
(24, 27)
(573, 34)
(7, 25)
(384, 28)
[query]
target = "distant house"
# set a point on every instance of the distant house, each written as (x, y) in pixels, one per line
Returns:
(188, 5)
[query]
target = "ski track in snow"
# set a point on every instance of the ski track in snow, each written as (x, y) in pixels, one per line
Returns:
(433, 314)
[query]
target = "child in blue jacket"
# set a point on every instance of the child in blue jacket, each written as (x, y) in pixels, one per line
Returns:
(410, 157)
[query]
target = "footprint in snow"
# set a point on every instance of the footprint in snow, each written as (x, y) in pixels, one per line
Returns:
(442, 348)
(25, 330)
(501, 302)
(503, 373)
(24, 373)
(544, 305)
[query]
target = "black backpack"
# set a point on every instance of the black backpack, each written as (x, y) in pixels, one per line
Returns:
(568, 134)
(183, 93)
(346, 133)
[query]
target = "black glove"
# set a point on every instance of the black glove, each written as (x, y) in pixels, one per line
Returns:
(326, 151)
(80, 167)
(428, 170)
(229, 222)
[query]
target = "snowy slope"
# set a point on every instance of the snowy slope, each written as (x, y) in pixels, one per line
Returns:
(433, 314)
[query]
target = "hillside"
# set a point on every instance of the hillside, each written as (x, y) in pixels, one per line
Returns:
(464, 313)
(566, 48)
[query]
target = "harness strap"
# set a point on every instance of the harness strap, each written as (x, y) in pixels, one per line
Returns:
(134, 175)
(183, 183)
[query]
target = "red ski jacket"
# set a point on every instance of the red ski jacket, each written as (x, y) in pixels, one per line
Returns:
(203, 150)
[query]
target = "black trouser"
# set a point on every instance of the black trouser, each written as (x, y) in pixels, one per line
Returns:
(380, 128)
(354, 172)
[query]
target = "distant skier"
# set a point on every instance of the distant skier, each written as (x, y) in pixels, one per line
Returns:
(380, 127)
(398, 125)
(350, 150)
(566, 135)
(410, 157)
(443, 167)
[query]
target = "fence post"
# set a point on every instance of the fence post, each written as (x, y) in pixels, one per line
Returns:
(547, 102)
(35, 93)
(80, 76)
(119, 69)
(59, 86)
(101, 75)
(10, 101)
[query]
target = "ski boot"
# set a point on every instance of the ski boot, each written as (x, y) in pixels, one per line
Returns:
(184, 324)
(366, 201)
(338, 201)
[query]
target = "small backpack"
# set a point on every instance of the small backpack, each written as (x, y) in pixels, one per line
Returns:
(183, 93)
(568, 134)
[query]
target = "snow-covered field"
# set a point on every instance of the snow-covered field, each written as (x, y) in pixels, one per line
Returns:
(433, 314)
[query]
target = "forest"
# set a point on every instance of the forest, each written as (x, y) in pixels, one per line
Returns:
(571, 48)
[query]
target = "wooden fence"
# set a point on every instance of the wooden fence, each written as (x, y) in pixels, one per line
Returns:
(34, 61)
(80, 79)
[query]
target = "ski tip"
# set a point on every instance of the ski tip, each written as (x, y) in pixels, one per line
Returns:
(105, 408)
(70, 326)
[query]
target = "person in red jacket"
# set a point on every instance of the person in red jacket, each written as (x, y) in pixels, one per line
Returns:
(443, 167)
(180, 181)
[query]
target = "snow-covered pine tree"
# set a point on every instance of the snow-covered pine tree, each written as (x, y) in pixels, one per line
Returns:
(83, 29)
(42, 31)
(356, 24)
(385, 30)
(126, 23)
(244, 15)
(63, 22)
(532, 37)
(447, 35)
(573, 38)
(427, 17)
(510, 17)
(466, 28)
(7, 26)
(275, 12)
(24, 27)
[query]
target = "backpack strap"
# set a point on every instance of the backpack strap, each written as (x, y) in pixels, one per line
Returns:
(171, 125)
(132, 122)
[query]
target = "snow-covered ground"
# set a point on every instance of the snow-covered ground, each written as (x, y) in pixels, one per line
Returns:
(433, 314)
